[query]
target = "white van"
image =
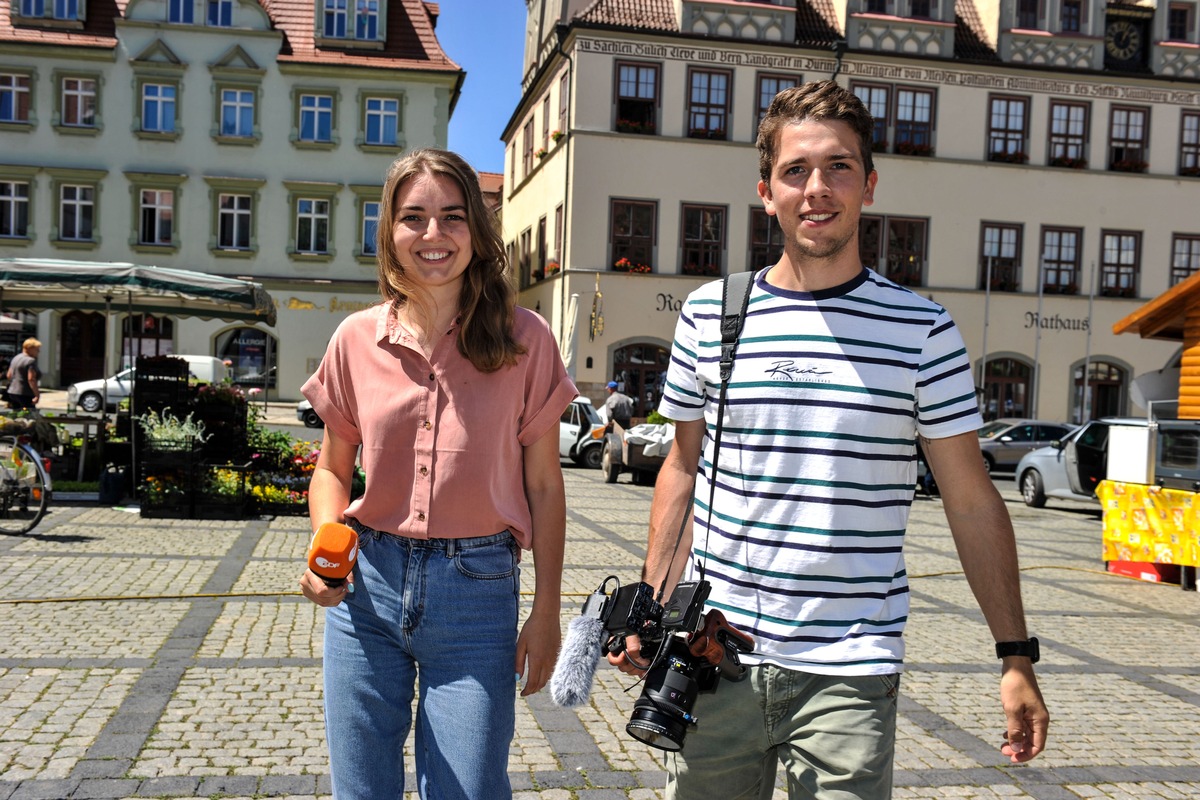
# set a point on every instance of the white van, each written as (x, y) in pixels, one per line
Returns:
(89, 395)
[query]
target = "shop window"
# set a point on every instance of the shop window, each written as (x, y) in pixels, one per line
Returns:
(252, 355)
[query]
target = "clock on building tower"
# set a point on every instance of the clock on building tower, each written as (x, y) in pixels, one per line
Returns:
(1124, 43)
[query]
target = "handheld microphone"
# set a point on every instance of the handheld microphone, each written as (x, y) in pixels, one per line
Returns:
(332, 552)
(571, 683)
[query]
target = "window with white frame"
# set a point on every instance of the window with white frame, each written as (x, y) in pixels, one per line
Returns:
(1189, 143)
(1120, 263)
(1071, 19)
(1180, 21)
(14, 209)
(768, 87)
(382, 121)
(702, 239)
(234, 218)
(708, 104)
(1185, 256)
(237, 112)
(905, 112)
(156, 216)
(56, 9)
(220, 13)
(1068, 134)
(1000, 257)
(1061, 254)
(637, 98)
(564, 97)
(766, 239)
(181, 12)
(370, 226)
(158, 107)
(1008, 129)
(877, 99)
(316, 118)
(76, 212)
(895, 247)
(346, 19)
(366, 20)
(312, 225)
(78, 105)
(1128, 139)
(15, 97)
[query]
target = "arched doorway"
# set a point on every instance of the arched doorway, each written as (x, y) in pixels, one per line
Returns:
(146, 335)
(641, 369)
(1106, 390)
(81, 346)
(1006, 388)
(247, 351)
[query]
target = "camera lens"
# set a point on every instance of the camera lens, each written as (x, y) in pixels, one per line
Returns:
(662, 713)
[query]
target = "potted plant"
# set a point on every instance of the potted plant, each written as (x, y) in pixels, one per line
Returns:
(1190, 172)
(1069, 162)
(1128, 165)
(913, 149)
(552, 268)
(541, 153)
(1016, 157)
(625, 265)
(556, 136)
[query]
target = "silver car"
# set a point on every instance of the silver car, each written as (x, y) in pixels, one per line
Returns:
(1004, 441)
(1069, 469)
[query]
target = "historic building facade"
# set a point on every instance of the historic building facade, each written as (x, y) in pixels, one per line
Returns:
(234, 137)
(1039, 170)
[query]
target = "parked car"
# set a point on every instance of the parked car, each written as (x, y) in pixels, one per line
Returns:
(1071, 468)
(305, 413)
(1004, 441)
(89, 395)
(581, 434)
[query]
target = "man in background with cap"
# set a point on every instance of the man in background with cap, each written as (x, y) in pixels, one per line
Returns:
(618, 405)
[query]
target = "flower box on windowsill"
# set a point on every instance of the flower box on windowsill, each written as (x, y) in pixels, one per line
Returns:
(705, 133)
(630, 126)
(1190, 172)
(541, 153)
(1068, 162)
(1010, 158)
(1128, 165)
(709, 270)
(557, 136)
(879, 147)
(625, 265)
(910, 149)
(1117, 291)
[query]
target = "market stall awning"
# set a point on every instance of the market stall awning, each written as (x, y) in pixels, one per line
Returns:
(38, 284)
(1164, 316)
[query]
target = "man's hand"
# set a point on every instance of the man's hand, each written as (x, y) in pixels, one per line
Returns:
(629, 657)
(1025, 711)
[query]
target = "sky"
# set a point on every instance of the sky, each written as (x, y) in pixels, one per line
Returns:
(485, 38)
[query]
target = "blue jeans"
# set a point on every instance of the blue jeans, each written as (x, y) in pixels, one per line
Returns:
(441, 614)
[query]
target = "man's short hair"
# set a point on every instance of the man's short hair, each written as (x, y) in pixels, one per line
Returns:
(820, 100)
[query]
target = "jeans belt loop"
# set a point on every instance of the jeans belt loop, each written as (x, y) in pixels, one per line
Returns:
(451, 548)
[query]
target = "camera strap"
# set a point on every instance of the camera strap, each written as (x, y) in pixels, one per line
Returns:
(735, 299)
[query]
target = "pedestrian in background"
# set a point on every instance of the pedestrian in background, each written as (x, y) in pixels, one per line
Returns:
(618, 405)
(837, 373)
(24, 376)
(452, 395)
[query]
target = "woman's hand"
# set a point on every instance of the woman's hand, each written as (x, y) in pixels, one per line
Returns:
(321, 593)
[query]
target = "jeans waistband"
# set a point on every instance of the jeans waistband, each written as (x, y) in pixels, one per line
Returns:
(450, 546)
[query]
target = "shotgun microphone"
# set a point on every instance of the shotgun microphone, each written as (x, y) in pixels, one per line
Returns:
(332, 552)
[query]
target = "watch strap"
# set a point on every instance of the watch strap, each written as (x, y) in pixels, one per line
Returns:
(1027, 647)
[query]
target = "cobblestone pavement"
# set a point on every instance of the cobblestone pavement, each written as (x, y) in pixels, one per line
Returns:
(174, 659)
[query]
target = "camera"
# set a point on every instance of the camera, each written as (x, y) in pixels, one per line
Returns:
(694, 652)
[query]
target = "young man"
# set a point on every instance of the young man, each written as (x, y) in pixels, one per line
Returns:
(837, 373)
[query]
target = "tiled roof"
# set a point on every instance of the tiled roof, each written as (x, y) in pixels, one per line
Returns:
(658, 15)
(816, 23)
(98, 29)
(411, 42)
(970, 38)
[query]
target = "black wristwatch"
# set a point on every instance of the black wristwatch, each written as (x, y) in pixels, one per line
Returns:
(1028, 648)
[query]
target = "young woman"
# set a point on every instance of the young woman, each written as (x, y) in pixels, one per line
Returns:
(452, 396)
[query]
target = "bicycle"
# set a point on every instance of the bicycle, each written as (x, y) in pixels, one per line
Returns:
(25, 487)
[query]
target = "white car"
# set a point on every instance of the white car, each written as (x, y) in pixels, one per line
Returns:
(1071, 468)
(305, 413)
(89, 395)
(581, 434)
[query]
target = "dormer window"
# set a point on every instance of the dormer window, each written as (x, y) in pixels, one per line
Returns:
(68, 10)
(181, 12)
(1027, 15)
(350, 19)
(1072, 15)
(220, 13)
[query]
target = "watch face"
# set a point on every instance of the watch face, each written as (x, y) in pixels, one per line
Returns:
(1123, 39)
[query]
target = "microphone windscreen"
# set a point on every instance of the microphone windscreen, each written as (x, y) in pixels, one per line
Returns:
(333, 551)
(571, 683)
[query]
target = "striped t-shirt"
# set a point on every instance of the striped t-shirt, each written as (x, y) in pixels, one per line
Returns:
(817, 469)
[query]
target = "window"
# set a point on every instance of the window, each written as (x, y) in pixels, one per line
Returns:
(526, 264)
(766, 239)
(1185, 256)
(1119, 265)
(875, 6)
(768, 87)
(77, 211)
(1129, 132)
(1008, 129)
(914, 122)
(252, 355)
(1060, 260)
(637, 98)
(1072, 16)
(180, 11)
(557, 253)
(1189, 143)
(543, 246)
(233, 221)
(894, 247)
(703, 240)
(546, 122)
(1068, 134)
(158, 107)
(78, 109)
(564, 98)
(14, 209)
(1179, 22)
(59, 9)
(315, 119)
(312, 225)
(877, 99)
(156, 217)
(370, 226)
(527, 147)
(237, 113)
(922, 9)
(220, 13)
(15, 98)
(1000, 258)
(631, 233)
(382, 121)
(360, 16)
(708, 104)
(1027, 14)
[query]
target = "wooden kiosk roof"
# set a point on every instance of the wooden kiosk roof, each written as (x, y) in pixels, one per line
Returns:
(1163, 317)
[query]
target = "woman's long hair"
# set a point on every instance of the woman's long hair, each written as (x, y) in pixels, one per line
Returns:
(487, 302)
